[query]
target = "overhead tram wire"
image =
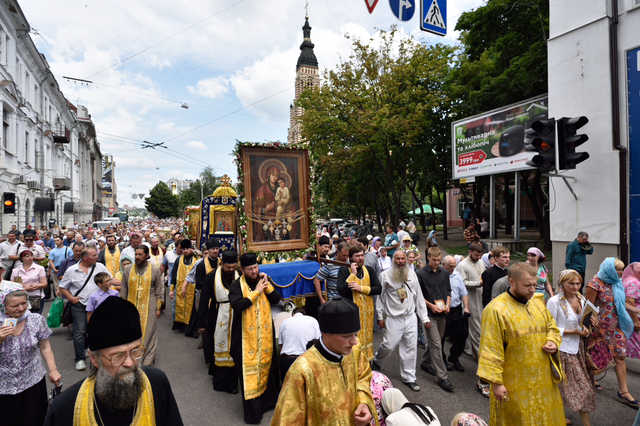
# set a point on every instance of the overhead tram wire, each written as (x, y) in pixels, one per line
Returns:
(241, 108)
(142, 144)
(162, 40)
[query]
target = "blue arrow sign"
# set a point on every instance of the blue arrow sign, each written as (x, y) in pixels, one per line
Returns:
(433, 16)
(403, 9)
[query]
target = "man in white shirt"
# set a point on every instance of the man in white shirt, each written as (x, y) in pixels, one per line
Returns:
(9, 252)
(294, 335)
(129, 252)
(402, 233)
(401, 298)
(458, 317)
(73, 280)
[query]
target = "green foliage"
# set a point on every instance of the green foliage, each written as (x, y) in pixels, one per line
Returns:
(161, 202)
(379, 120)
(504, 54)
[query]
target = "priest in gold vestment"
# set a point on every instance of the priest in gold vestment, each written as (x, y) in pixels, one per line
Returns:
(330, 383)
(185, 302)
(142, 285)
(359, 283)
(253, 344)
(519, 335)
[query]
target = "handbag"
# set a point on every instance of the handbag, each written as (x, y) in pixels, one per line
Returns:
(557, 373)
(67, 318)
(54, 316)
(7, 275)
(35, 302)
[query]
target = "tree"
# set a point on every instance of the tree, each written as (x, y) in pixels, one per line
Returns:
(373, 115)
(161, 202)
(504, 60)
(203, 186)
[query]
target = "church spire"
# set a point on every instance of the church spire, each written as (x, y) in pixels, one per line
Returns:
(307, 57)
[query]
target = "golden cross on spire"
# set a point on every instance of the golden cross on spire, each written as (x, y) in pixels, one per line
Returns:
(306, 9)
(225, 180)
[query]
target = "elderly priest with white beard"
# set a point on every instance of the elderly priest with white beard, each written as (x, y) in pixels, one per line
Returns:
(117, 391)
(401, 298)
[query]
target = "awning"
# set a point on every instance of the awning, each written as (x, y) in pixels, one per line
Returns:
(427, 210)
(44, 204)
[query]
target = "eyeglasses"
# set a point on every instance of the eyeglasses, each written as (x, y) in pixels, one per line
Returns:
(118, 358)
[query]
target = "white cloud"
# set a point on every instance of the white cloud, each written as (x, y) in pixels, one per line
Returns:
(210, 88)
(200, 146)
(147, 57)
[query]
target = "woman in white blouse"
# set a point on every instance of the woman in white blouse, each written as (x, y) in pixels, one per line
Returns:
(578, 392)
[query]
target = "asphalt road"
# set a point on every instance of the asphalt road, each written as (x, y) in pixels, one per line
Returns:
(200, 405)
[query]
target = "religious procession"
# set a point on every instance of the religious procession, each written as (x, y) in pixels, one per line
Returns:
(205, 224)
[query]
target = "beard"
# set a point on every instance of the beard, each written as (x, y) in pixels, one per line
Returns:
(119, 393)
(399, 273)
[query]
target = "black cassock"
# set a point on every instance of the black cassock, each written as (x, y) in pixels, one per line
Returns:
(60, 411)
(253, 408)
(224, 378)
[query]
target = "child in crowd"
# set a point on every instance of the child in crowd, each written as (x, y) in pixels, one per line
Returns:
(103, 281)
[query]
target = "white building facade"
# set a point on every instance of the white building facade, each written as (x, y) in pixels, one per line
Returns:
(594, 70)
(49, 156)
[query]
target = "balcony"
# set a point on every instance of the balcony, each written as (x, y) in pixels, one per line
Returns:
(61, 184)
(61, 134)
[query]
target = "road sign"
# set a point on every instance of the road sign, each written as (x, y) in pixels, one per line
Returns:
(371, 4)
(403, 9)
(433, 16)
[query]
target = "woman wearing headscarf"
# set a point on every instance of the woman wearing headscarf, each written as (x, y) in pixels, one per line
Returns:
(24, 338)
(535, 257)
(608, 340)
(631, 283)
(578, 392)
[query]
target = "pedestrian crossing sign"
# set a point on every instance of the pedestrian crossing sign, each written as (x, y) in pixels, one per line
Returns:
(433, 16)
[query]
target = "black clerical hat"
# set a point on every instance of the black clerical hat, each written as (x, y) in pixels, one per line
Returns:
(229, 256)
(324, 240)
(339, 316)
(212, 243)
(115, 322)
(185, 244)
(248, 259)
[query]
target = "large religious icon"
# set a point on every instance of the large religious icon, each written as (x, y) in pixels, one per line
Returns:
(276, 187)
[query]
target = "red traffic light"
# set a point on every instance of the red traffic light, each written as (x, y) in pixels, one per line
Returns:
(8, 203)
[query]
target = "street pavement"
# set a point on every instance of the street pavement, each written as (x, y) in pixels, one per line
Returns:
(184, 364)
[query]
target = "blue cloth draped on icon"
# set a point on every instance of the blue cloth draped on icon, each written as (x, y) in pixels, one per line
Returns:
(293, 279)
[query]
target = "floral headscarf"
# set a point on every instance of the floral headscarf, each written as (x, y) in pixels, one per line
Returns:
(609, 275)
(379, 383)
(467, 419)
(6, 288)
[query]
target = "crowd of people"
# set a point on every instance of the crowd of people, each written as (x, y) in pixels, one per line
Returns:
(536, 344)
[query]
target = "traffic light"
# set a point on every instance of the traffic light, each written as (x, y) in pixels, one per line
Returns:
(568, 140)
(541, 139)
(9, 202)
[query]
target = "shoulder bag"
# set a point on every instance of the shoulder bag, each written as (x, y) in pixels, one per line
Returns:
(67, 318)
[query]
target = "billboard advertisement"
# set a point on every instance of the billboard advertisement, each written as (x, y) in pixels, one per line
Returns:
(494, 142)
(107, 176)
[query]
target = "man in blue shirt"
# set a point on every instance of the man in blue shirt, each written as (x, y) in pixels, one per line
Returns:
(576, 255)
(48, 242)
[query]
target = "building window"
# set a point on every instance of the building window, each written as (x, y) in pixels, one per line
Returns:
(27, 87)
(3, 47)
(26, 147)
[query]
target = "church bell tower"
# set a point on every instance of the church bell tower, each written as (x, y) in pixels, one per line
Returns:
(306, 77)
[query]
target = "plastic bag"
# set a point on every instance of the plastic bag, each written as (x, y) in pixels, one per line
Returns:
(55, 313)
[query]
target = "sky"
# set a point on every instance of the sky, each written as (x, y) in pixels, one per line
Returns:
(231, 61)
